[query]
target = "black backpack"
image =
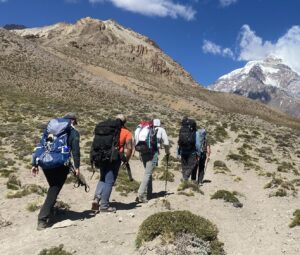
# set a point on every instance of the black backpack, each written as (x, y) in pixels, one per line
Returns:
(105, 146)
(187, 136)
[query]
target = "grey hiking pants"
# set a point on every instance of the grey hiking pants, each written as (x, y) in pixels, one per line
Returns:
(188, 164)
(149, 162)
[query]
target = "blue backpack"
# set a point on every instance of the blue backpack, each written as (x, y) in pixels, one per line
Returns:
(53, 150)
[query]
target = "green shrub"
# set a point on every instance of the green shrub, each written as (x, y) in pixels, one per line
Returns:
(296, 221)
(282, 187)
(296, 182)
(32, 207)
(219, 164)
(220, 133)
(169, 225)
(235, 157)
(61, 205)
(189, 185)
(220, 167)
(247, 146)
(285, 167)
(161, 174)
(6, 173)
(278, 193)
(188, 194)
(237, 179)
(226, 196)
(13, 182)
(59, 250)
(124, 185)
(274, 183)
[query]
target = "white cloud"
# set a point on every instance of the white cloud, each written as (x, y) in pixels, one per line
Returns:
(287, 47)
(160, 8)
(211, 47)
(252, 47)
(225, 3)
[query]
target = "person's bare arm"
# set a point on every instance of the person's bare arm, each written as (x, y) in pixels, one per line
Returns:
(129, 149)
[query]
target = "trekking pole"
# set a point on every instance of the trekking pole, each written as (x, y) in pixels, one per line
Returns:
(128, 169)
(206, 163)
(80, 180)
(167, 173)
(93, 168)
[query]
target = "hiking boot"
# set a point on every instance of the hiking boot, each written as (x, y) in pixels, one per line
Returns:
(95, 206)
(108, 209)
(42, 225)
(141, 200)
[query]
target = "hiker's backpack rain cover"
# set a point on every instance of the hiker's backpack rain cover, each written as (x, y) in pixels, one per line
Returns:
(53, 150)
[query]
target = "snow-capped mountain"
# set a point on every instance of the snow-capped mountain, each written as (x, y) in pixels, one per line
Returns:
(269, 81)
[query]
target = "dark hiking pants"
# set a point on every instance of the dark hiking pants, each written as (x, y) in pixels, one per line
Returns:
(188, 164)
(56, 178)
(199, 169)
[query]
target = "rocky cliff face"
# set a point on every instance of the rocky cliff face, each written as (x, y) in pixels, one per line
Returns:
(268, 81)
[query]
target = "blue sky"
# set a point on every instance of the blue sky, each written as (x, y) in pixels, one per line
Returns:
(207, 37)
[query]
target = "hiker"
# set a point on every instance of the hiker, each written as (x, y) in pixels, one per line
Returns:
(203, 157)
(188, 147)
(107, 152)
(62, 138)
(148, 138)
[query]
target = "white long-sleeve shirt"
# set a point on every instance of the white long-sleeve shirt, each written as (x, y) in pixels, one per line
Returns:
(162, 136)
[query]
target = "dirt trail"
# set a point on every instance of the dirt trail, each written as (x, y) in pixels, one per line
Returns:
(259, 228)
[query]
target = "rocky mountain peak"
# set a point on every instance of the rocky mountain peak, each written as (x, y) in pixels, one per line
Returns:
(270, 81)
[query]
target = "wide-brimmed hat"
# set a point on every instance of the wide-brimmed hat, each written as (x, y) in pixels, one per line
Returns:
(121, 117)
(71, 116)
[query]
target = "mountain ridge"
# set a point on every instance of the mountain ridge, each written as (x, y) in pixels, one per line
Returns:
(269, 81)
(98, 58)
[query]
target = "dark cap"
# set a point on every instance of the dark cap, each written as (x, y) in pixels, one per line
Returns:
(71, 116)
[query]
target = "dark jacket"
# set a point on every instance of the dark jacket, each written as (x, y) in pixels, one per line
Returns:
(73, 142)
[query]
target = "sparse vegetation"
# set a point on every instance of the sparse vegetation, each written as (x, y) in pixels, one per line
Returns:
(124, 186)
(4, 223)
(191, 186)
(27, 190)
(59, 250)
(163, 202)
(237, 179)
(283, 187)
(170, 225)
(227, 196)
(13, 182)
(220, 167)
(296, 221)
(32, 207)
(286, 167)
(161, 174)
(61, 205)
(220, 134)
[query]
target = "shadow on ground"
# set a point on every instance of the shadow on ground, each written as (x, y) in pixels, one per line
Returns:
(72, 215)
